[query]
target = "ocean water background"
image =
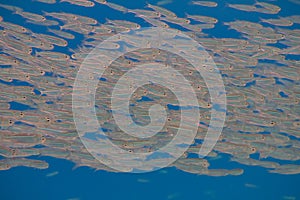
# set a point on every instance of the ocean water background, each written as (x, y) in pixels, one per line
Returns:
(64, 181)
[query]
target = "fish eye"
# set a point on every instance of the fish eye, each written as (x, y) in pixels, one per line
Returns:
(130, 151)
(273, 123)
(297, 124)
(253, 149)
(10, 121)
(262, 98)
(169, 119)
(21, 114)
(205, 164)
(47, 119)
(43, 139)
(24, 29)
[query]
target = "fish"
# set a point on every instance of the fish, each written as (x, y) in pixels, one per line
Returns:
(164, 12)
(243, 7)
(203, 19)
(250, 161)
(62, 34)
(117, 7)
(205, 3)
(10, 7)
(39, 68)
(84, 3)
(164, 2)
(52, 40)
(278, 22)
(286, 169)
(143, 180)
(30, 16)
(268, 7)
(13, 27)
(16, 162)
(52, 174)
(123, 23)
(145, 13)
(53, 55)
(46, 1)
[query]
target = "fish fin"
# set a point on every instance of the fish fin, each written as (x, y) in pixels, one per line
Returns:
(186, 15)
(227, 5)
(148, 5)
(17, 12)
(76, 166)
(108, 20)
(262, 19)
(263, 155)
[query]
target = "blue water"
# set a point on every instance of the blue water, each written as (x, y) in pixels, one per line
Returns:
(87, 184)
(170, 183)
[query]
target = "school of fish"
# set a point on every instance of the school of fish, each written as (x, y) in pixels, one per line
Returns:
(259, 68)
